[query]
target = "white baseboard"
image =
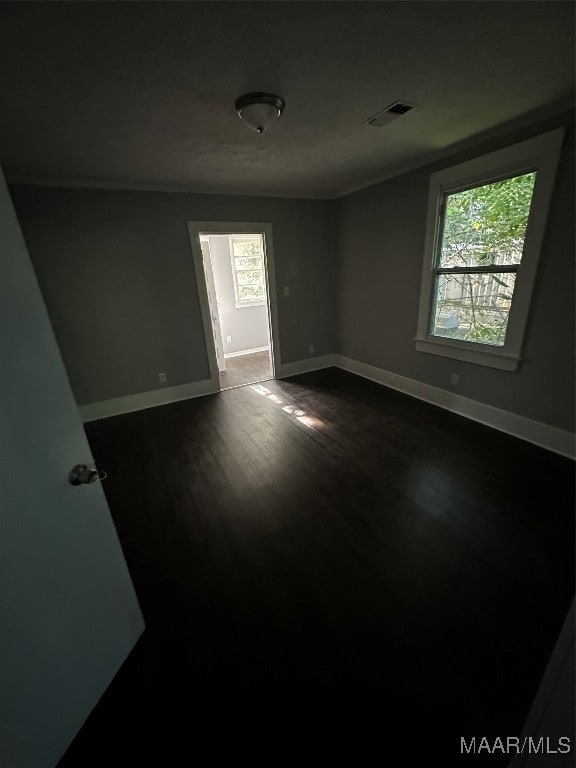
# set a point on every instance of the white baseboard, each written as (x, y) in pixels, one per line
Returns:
(304, 366)
(118, 405)
(246, 352)
(551, 438)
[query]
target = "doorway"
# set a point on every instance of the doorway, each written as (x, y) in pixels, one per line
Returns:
(233, 267)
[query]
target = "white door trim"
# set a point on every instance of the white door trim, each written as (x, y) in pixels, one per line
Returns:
(232, 228)
(213, 303)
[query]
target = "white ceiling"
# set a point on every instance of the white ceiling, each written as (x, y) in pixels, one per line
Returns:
(141, 94)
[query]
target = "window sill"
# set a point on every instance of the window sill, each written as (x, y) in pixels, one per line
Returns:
(245, 304)
(483, 356)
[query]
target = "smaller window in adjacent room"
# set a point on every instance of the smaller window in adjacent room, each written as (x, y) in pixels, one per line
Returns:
(485, 228)
(248, 270)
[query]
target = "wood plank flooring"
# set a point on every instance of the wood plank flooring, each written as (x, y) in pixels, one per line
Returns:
(329, 571)
(246, 369)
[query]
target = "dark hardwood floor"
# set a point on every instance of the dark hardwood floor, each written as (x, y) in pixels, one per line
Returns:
(328, 570)
(246, 369)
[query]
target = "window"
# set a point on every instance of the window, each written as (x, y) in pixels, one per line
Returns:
(248, 270)
(480, 249)
(485, 227)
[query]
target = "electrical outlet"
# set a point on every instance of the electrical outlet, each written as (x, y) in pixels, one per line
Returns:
(228, 339)
(455, 379)
(162, 377)
(311, 349)
(286, 290)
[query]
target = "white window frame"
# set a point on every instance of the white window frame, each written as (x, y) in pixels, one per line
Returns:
(540, 154)
(241, 303)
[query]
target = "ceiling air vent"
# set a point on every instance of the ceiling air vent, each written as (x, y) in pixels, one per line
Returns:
(391, 112)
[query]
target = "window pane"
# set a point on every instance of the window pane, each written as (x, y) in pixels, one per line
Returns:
(248, 262)
(473, 307)
(251, 293)
(252, 277)
(247, 247)
(486, 225)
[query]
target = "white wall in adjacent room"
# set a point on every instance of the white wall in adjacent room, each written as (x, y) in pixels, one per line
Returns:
(247, 327)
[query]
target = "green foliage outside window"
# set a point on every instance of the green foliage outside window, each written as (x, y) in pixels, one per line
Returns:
(484, 227)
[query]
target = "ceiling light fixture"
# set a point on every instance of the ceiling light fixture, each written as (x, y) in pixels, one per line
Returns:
(259, 110)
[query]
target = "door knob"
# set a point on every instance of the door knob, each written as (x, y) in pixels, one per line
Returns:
(82, 474)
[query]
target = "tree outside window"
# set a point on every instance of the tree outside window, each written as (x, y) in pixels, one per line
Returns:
(479, 252)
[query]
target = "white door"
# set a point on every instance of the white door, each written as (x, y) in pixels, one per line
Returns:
(213, 304)
(69, 614)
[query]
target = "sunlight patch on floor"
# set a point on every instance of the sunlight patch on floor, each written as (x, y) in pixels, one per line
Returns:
(259, 389)
(310, 421)
(292, 410)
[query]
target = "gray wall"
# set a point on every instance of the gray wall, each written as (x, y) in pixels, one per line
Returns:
(116, 271)
(380, 251)
(248, 326)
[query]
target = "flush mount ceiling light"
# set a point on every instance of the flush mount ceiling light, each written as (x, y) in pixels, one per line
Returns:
(259, 110)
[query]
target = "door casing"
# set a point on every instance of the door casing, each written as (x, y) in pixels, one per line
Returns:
(213, 303)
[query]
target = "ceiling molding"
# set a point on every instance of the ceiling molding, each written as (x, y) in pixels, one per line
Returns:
(18, 179)
(499, 131)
